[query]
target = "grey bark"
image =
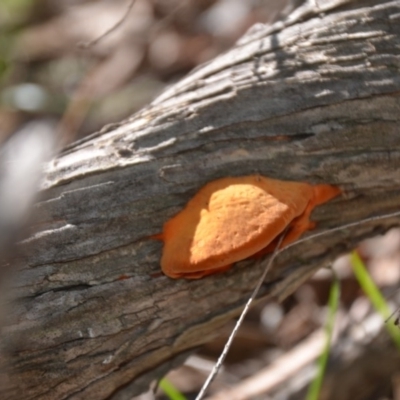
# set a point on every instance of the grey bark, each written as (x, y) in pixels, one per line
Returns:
(313, 99)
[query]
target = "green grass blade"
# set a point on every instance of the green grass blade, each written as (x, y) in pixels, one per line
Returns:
(375, 296)
(333, 304)
(170, 390)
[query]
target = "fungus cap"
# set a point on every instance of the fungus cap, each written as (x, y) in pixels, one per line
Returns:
(231, 219)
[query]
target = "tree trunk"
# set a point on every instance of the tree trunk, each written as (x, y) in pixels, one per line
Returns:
(313, 99)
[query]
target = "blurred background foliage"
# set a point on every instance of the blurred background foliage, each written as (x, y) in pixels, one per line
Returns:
(47, 72)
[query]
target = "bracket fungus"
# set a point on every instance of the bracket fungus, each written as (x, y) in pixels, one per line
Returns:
(231, 219)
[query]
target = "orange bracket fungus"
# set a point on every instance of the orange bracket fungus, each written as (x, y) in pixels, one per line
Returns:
(231, 219)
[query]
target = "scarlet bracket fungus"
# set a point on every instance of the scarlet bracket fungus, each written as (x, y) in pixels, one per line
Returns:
(231, 219)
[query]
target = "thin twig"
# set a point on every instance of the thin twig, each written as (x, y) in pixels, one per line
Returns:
(396, 311)
(239, 322)
(276, 252)
(90, 43)
(340, 228)
(167, 19)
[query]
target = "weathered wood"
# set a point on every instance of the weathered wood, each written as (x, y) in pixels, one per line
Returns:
(315, 99)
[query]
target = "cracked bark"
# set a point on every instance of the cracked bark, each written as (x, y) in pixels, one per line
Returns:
(313, 99)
